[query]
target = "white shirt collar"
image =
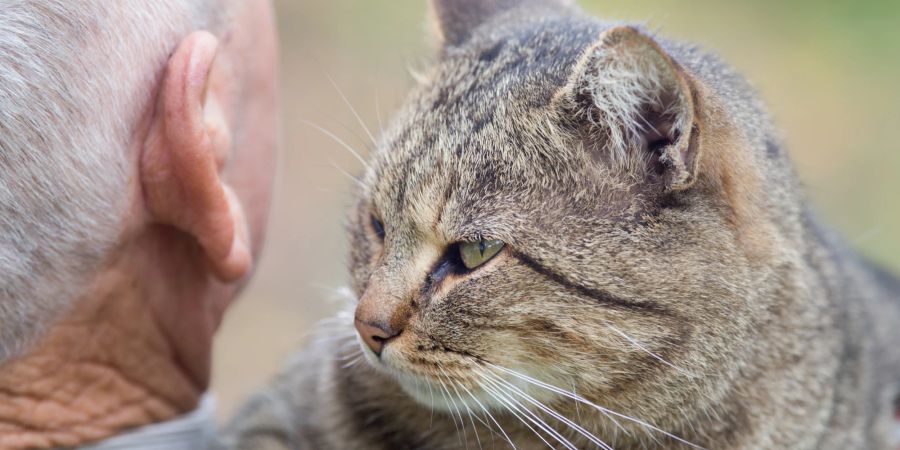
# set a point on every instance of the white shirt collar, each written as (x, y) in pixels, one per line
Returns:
(191, 431)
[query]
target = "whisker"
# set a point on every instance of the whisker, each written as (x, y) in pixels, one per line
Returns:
(339, 141)
(346, 174)
(418, 387)
(453, 417)
(637, 344)
(512, 411)
(468, 410)
(536, 419)
(378, 111)
(349, 345)
(316, 335)
(431, 392)
(612, 419)
(590, 436)
(568, 394)
(349, 356)
(352, 109)
(475, 413)
(353, 362)
(455, 407)
(417, 75)
(489, 415)
(577, 408)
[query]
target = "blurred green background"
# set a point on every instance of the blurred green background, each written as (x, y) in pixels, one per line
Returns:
(828, 70)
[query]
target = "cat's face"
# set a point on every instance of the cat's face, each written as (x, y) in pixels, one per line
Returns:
(506, 234)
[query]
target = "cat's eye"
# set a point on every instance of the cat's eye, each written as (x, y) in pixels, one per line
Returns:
(378, 227)
(474, 254)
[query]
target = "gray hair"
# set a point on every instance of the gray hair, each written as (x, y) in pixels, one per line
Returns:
(75, 78)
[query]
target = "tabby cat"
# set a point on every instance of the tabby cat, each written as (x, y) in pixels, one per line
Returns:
(577, 235)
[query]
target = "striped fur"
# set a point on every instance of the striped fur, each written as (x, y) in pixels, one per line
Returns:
(664, 284)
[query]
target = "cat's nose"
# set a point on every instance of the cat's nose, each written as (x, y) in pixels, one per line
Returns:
(380, 316)
(375, 335)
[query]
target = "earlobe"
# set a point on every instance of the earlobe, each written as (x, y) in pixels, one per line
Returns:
(239, 260)
(185, 149)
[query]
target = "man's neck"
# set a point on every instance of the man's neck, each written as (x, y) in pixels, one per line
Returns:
(106, 366)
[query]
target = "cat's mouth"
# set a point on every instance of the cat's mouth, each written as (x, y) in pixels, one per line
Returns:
(447, 380)
(459, 384)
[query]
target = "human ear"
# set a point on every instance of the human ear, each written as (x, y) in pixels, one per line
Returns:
(185, 150)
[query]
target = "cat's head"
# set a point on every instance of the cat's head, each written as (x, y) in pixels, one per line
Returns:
(560, 201)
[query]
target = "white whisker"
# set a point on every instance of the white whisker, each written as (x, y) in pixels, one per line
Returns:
(534, 418)
(378, 111)
(346, 174)
(431, 392)
(577, 408)
(468, 410)
(512, 411)
(339, 141)
(352, 110)
(573, 396)
(452, 416)
(455, 407)
(590, 436)
(350, 364)
(646, 350)
(490, 416)
(471, 420)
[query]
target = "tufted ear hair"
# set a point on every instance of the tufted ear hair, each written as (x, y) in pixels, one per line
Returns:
(627, 87)
(454, 20)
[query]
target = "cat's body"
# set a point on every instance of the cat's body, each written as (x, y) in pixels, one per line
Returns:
(661, 265)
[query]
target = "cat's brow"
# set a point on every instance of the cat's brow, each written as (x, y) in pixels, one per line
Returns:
(601, 297)
(445, 198)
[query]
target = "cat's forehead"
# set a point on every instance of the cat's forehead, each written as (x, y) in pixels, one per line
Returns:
(519, 63)
(491, 89)
(483, 125)
(513, 162)
(448, 160)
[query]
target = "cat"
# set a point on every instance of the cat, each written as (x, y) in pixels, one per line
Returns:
(579, 235)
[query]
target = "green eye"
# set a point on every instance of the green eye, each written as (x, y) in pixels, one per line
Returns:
(474, 254)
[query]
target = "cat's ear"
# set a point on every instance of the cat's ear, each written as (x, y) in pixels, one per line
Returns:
(454, 20)
(640, 100)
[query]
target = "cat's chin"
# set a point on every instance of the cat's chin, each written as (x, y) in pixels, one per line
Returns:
(436, 391)
(443, 397)
(428, 392)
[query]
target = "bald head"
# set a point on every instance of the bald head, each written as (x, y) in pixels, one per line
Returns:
(76, 80)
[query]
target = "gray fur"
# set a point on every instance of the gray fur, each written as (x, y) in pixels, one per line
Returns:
(687, 285)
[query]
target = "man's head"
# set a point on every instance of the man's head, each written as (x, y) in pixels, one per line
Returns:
(136, 155)
(116, 120)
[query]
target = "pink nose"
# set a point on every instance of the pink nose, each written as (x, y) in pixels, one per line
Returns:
(375, 336)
